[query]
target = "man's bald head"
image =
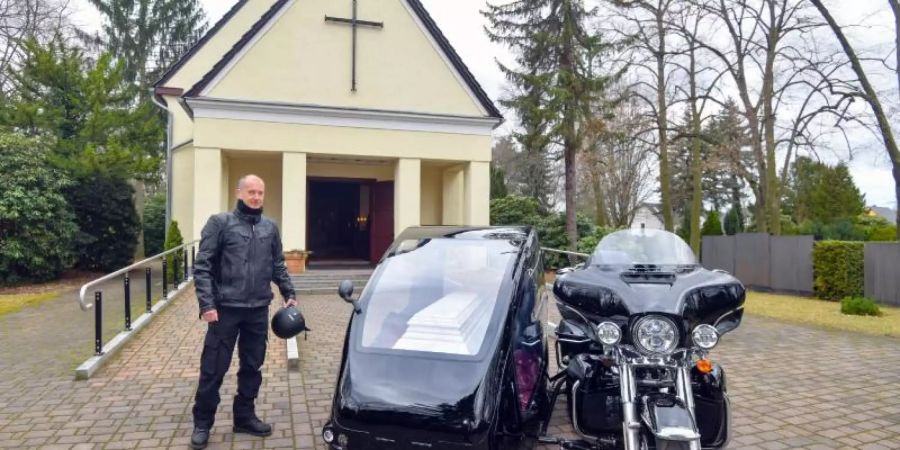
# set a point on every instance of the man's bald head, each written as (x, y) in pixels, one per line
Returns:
(251, 189)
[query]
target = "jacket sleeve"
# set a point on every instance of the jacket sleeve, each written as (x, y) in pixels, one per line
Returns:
(204, 264)
(279, 270)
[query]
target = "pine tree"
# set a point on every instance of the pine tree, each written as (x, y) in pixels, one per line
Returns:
(149, 35)
(555, 85)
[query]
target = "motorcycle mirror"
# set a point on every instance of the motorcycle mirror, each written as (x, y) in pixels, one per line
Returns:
(345, 290)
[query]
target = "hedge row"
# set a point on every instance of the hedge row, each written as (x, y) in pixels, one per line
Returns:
(839, 269)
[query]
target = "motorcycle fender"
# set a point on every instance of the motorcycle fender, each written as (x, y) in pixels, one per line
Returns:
(667, 417)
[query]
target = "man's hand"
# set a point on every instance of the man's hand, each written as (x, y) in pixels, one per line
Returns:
(211, 316)
(290, 302)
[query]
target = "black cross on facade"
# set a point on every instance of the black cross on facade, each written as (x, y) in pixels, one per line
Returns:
(354, 23)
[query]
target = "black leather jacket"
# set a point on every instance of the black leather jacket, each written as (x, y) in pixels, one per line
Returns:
(240, 256)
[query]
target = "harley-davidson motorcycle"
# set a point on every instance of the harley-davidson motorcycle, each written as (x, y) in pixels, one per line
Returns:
(639, 320)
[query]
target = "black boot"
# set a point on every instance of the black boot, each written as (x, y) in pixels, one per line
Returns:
(253, 426)
(199, 438)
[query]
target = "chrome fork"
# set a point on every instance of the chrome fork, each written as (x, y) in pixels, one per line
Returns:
(685, 392)
(631, 426)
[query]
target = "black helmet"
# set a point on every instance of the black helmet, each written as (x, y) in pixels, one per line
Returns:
(288, 322)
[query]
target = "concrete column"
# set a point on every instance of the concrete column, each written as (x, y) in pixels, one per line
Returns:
(293, 198)
(478, 193)
(407, 194)
(207, 188)
(454, 196)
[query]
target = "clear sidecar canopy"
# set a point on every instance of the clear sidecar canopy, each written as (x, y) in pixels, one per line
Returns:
(436, 295)
(642, 246)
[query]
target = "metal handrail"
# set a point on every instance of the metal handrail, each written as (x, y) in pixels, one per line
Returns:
(566, 252)
(86, 286)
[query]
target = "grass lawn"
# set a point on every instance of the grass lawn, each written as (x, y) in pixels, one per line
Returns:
(10, 303)
(822, 313)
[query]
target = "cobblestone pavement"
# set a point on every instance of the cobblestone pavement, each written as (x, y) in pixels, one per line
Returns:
(791, 387)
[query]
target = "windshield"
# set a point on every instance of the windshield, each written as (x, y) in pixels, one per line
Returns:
(436, 295)
(642, 246)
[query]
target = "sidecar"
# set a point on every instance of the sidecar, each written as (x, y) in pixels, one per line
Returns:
(445, 347)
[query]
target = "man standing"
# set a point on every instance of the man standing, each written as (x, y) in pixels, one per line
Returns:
(240, 255)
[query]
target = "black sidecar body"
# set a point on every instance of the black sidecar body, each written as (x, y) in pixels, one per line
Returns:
(445, 348)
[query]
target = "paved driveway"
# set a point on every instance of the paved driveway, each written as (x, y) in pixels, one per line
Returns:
(791, 387)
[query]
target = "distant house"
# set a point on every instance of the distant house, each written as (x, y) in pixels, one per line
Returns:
(649, 214)
(887, 213)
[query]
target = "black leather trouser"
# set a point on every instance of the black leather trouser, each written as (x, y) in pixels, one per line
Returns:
(248, 328)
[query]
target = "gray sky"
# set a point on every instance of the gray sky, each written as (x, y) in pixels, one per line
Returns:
(463, 25)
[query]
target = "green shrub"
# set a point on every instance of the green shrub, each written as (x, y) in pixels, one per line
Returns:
(173, 240)
(155, 224)
(587, 243)
(550, 226)
(108, 223)
(859, 306)
(887, 233)
(838, 269)
(712, 226)
(734, 221)
(37, 226)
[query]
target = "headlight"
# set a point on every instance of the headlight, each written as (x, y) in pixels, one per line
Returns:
(655, 335)
(609, 333)
(705, 336)
(328, 435)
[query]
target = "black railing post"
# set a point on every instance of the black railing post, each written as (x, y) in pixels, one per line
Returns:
(175, 272)
(149, 286)
(98, 323)
(127, 302)
(186, 268)
(165, 275)
(193, 260)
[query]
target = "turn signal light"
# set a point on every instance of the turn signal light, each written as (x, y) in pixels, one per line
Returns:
(704, 366)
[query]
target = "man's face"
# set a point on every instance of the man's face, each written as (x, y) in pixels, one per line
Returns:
(252, 192)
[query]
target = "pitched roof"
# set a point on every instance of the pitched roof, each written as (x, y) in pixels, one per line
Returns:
(199, 44)
(415, 5)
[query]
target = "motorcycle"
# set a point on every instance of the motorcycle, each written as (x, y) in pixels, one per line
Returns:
(639, 321)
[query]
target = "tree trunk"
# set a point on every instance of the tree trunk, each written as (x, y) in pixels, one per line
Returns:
(665, 175)
(696, 160)
(773, 197)
(139, 197)
(599, 200)
(871, 96)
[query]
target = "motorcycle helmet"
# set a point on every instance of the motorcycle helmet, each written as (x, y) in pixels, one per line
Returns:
(288, 322)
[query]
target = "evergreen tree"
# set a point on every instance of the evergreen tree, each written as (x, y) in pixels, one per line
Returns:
(712, 226)
(87, 111)
(555, 86)
(498, 184)
(149, 35)
(820, 193)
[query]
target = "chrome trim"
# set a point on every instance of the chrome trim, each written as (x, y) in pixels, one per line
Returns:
(647, 352)
(630, 424)
(686, 393)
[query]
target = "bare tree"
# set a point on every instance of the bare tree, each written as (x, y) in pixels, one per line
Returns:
(24, 19)
(649, 20)
(618, 165)
(868, 92)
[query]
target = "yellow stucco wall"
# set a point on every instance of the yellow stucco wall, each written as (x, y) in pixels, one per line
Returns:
(314, 63)
(478, 193)
(204, 59)
(183, 189)
(432, 194)
(407, 194)
(379, 172)
(325, 140)
(269, 169)
(453, 184)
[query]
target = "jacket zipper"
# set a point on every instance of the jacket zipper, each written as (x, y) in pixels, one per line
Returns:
(251, 256)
